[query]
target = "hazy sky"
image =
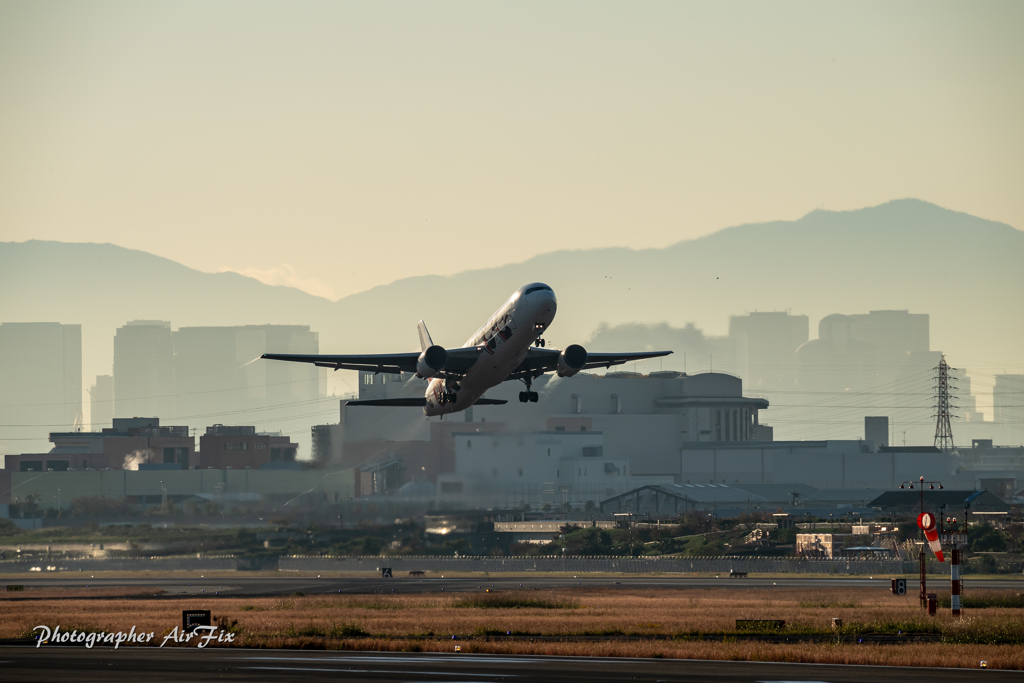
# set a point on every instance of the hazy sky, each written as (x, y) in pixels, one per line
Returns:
(340, 145)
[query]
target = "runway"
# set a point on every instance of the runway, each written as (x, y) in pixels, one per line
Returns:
(179, 664)
(260, 586)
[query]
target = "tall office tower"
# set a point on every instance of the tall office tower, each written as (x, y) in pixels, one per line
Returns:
(1008, 401)
(766, 345)
(967, 402)
(101, 403)
(40, 383)
(877, 429)
(144, 370)
(892, 333)
(877, 360)
(222, 380)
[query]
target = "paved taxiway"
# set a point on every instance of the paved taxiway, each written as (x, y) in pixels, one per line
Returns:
(185, 664)
(255, 586)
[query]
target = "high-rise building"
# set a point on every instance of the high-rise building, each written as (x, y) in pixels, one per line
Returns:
(860, 363)
(101, 402)
(966, 404)
(1008, 401)
(766, 344)
(144, 369)
(856, 352)
(877, 429)
(220, 377)
(40, 383)
(219, 372)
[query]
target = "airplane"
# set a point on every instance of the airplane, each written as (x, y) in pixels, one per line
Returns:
(509, 346)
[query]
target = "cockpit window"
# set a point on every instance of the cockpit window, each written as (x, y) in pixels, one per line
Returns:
(538, 288)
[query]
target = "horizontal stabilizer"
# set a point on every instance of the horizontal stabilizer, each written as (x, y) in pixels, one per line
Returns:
(490, 402)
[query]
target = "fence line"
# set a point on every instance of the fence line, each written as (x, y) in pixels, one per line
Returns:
(596, 564)
(121, 564)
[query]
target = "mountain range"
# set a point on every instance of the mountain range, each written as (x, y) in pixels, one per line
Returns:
(966, 272)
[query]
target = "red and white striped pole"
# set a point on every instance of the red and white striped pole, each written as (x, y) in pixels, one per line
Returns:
(956, 581)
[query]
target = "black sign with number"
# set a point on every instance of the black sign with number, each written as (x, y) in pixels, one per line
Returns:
(899, 586)
(190, 618)
(385, 573)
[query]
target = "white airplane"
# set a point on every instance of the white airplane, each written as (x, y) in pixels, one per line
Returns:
(502, 349)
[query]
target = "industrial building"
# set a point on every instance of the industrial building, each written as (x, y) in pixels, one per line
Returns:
(665, 427)
(140, 440)
(638, 421)
(92, 460)
(663, 501)
(227, 447)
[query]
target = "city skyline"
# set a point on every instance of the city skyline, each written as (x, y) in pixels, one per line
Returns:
(285, 141)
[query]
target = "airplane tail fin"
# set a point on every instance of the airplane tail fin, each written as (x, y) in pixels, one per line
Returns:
(425, 340)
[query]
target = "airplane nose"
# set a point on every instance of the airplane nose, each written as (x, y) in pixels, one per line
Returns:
(547, 300)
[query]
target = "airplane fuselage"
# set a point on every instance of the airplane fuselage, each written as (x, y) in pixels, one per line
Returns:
(505, 338)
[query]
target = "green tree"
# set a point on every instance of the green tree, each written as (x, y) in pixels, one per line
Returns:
(590, 541)
(371, 545)
(986, 538)
(8, 528)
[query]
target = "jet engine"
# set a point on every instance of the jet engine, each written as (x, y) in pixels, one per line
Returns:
(571, 360)
(431, 361)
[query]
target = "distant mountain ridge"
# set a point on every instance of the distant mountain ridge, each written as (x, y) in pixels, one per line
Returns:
(906, 254)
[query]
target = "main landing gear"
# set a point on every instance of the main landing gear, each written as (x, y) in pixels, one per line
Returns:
(528, 396)
(449, 394)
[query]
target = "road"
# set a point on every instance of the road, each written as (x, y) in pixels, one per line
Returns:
(256, 586)
(63, 664)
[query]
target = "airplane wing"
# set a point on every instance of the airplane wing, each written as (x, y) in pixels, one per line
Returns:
(539, 361)
(416, 402)
(459, 361)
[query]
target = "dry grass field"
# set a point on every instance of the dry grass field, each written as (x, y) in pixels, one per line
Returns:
(635, 623)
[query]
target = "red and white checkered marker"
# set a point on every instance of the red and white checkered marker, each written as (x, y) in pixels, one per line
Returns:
(926, 521)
